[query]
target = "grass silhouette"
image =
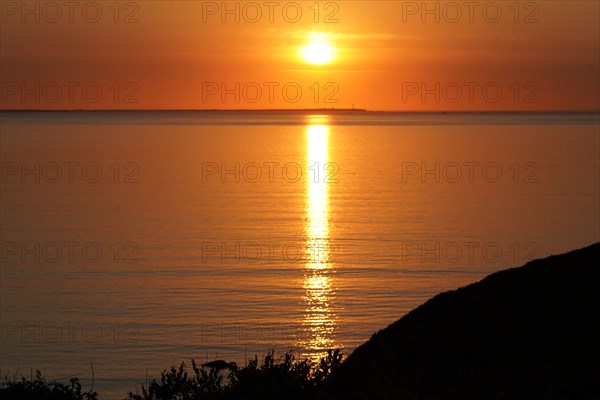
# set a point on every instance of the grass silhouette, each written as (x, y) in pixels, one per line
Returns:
(38, 388)
(275, 378)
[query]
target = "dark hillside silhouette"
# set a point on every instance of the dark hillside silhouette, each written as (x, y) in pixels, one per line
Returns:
(525, 333)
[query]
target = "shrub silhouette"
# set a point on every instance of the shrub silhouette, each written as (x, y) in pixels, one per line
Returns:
(276, 378)
(39, 388)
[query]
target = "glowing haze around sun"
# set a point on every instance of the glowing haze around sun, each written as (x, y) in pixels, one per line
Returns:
(318, 50)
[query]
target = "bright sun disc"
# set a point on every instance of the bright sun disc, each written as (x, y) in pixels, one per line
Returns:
(317, 52)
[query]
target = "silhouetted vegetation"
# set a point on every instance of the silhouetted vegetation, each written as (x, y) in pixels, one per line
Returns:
(39, 388)
(282, 378)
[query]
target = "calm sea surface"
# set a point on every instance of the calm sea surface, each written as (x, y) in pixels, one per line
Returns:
(135, 240)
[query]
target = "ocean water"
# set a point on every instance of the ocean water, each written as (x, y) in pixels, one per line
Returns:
(131, 241)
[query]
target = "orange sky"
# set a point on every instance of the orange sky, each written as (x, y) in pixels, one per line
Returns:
(390, 55)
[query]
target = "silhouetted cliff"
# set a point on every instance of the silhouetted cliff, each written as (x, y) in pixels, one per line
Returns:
(525, 333)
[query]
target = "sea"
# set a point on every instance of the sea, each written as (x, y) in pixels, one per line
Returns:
(132, 241)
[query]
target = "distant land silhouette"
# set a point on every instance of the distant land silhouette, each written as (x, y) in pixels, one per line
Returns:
(285, 110)
(525, 333)
(303, 110)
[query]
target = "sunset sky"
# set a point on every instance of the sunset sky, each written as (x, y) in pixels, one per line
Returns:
(388, 55)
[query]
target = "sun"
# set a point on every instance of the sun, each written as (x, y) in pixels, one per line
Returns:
(318, 51)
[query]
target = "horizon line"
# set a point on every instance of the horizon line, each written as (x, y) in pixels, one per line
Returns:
(358, 110)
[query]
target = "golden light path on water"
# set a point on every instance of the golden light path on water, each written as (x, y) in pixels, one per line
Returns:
(319, 319)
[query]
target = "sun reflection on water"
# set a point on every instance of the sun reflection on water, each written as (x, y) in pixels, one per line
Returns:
(319, 319)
